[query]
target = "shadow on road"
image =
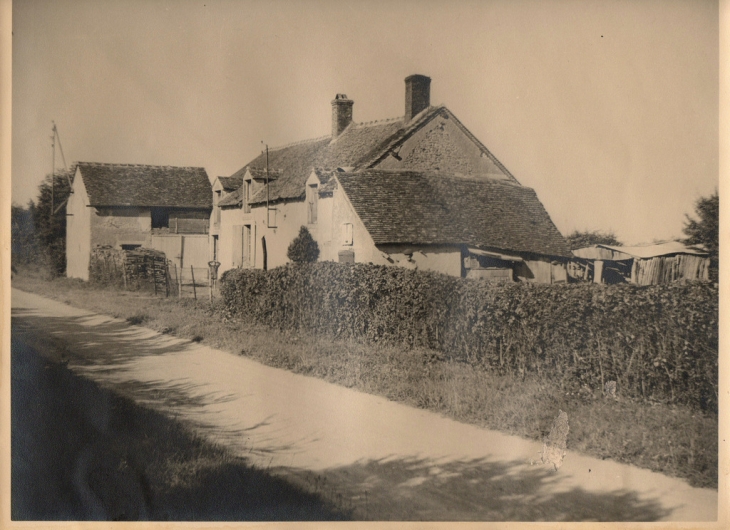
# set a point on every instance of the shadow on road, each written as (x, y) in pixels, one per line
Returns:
(80, 452)
(421, 489)
(104, 351)
(108, 344)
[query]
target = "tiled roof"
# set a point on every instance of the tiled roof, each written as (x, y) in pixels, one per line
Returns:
(261, 173)
(230, 183)
(141, 185)
(327, 184)
(419, 121)
(236, 198)
(413, 207)
(361, 145)
(358, 143)
(232, 199)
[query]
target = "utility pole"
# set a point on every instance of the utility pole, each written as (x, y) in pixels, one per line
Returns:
(268, 213)
(53, 173)
(55, 137)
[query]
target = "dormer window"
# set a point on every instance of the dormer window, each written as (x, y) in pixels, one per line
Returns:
(217, 209)
(312, 196)
(246, 196)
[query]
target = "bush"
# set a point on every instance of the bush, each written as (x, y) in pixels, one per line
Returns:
(303, 248)
(658, 342)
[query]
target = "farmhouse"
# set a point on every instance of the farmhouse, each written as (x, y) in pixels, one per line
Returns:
(130, 205)
(417, 191)
(642, 265)
(222, 187)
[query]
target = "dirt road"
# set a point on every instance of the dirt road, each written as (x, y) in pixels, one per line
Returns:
(384, 460)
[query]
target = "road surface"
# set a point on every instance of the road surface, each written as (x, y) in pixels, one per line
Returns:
(384, 460)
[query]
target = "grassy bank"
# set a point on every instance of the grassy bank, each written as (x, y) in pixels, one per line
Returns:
(670, 439)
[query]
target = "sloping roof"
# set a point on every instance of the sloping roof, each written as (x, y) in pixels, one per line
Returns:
(413, 207)
(327, 184)
(640, 251)
(357, 146)
(261, 173)
(141, 185)
(230, 183)
(232, 199)
(296, 162)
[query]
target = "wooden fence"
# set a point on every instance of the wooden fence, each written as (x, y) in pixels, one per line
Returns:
(148, 269)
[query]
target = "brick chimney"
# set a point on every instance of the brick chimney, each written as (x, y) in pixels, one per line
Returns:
(418, 94)
(341, 114)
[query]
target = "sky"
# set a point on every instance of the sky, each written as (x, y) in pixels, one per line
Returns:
(607, 109)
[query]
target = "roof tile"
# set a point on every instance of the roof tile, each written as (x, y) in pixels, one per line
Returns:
(142, 185)
(413, 207)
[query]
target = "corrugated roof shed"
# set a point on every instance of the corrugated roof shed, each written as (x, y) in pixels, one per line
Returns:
(414, 207)
(610, 252)
(142, 185)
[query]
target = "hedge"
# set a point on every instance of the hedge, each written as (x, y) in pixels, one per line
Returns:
(657, 342)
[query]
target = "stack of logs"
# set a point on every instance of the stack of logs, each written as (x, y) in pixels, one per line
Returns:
(139, 268)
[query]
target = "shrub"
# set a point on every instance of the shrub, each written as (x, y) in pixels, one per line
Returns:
(303, 248)
(658, 342)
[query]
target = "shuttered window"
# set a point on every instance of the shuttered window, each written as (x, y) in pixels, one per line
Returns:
(247, 196)
(347, 233)
(312, 196)
(238, 245)
(247, 254)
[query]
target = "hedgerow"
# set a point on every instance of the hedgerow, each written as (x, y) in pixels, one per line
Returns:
(657, 342)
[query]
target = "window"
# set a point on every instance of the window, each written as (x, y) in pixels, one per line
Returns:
(246, 196)
(160, 218)
(312, 196)
(216, 208)
(237, 245)
(247, 254)
(347, 233)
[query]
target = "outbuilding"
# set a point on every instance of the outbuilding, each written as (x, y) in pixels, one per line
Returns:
(128, 206)
(641, 265)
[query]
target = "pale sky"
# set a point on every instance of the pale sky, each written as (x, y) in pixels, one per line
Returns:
(608, 109)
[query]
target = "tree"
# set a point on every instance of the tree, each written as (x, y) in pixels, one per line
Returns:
(51, 226)
(303, 249)
(586, 238)
(705, 229)
(24, 249)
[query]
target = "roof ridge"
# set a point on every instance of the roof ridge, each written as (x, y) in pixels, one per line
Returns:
(378, 122)
(292, 144)
(484, 177)
(115, 164)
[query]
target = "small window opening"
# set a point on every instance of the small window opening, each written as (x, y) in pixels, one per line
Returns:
(312, 196)
(160, 218)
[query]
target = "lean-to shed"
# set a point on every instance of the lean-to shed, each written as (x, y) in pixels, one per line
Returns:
(641, 265)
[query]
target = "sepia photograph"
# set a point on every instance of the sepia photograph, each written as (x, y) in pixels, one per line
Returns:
(327, 261)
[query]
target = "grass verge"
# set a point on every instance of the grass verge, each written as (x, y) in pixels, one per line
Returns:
(673, 440)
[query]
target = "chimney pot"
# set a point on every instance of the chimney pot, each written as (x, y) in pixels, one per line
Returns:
(341, 114)
(418, 95)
